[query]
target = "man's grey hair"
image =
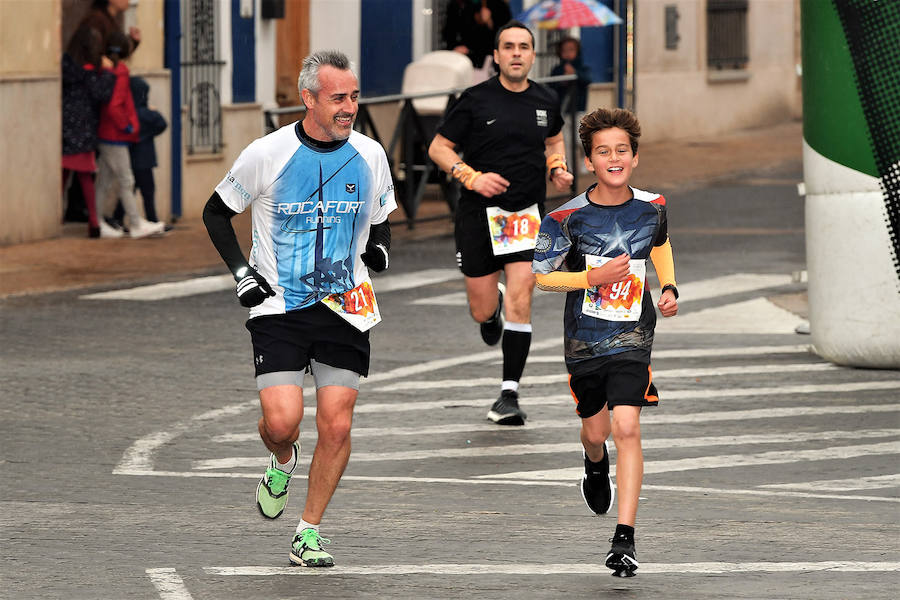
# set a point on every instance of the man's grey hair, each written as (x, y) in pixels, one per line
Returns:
(309, 73)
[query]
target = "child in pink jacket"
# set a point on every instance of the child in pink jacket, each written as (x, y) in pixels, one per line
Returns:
(119, 127)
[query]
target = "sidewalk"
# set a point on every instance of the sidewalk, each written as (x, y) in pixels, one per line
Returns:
(74, 261)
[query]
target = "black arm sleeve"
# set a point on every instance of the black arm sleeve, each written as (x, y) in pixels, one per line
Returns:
(662, 232)
(380, 235)
(217, 218)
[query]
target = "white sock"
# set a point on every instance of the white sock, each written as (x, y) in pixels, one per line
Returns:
(289, 466)
(304, 525)
(509, 385)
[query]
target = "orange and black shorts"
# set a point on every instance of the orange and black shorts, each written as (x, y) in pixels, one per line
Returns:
(616, 380)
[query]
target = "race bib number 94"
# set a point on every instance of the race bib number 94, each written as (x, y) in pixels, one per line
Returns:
(619, 301)
(513, 231)
(358, 306)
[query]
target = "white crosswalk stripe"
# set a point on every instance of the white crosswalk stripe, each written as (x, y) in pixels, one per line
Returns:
(705, 392)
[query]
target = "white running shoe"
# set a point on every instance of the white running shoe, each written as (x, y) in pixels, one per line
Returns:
(145, 228)
(108, 231)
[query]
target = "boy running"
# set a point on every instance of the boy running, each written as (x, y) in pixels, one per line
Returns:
(595, 248)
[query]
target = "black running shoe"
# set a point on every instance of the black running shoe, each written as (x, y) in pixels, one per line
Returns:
(492, 329)
(621, 557)
(596, 485)
(506, 411)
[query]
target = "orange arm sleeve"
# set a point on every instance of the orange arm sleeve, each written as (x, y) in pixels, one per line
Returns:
(664, 263)
(562, 281)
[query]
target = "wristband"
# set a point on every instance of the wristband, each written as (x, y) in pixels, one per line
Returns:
(556, 161)
(465, 174)
(674, 289)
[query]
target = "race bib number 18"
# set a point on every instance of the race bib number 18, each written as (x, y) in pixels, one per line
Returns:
(619, 301)
(358, 306)
(513, 231)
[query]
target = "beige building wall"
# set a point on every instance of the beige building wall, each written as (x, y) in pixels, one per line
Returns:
(241, 124)
(31, 119)
(678, 97)
(148, 16)
(31, 203)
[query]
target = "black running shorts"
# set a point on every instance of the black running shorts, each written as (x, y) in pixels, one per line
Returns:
(287, 342)
(617, 380)
(474, 254)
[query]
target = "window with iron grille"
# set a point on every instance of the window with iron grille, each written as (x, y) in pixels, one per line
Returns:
(201, 75)
(726, 34)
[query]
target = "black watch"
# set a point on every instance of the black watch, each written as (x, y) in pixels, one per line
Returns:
(674, 289)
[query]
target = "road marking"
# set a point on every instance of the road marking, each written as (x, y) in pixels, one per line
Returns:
(168, 584)
(139, 456)
(575, 447)
(416, 279)
(703, 491)
(545, 569)
(706, 395)
(724, 461)
(563, 378)
(726, 285)
(445, 363)
(840, 485)
(699, 290)
(749, 317)
(218, 283)
(572, 423)
(164, 291)
(451, 299)
(699, 353)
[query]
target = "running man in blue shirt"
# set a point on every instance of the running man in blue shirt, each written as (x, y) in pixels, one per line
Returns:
(320, 195)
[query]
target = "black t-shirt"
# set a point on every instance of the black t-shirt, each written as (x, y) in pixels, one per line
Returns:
(503, 132)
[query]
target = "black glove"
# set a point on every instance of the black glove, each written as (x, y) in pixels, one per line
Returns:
(375, 257)
(252, 288)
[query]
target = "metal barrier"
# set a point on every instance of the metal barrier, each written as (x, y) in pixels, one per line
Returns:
(413, 169)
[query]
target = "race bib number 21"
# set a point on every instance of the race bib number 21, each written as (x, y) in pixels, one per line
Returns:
(358, 306)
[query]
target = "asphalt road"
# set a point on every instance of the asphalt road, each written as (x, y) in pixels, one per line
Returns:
(130, 459)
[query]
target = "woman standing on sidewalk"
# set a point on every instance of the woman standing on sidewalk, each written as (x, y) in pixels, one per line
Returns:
(85, 87)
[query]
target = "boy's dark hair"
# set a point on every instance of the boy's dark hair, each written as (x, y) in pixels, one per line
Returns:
(604, 118)
(512, 25)
(118, 46)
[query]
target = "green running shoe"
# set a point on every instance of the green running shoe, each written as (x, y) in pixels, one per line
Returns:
(306, 549)
(272, 491)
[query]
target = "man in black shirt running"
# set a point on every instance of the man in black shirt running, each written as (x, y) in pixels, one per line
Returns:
(510, 131)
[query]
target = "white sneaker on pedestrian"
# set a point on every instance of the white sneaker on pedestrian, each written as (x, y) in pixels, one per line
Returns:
(145, 228)
(108, 231)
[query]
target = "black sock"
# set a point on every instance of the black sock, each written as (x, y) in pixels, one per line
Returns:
(592, 464)
(515, 352)
(624, 531)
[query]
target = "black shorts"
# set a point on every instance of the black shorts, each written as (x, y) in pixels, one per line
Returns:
(617, 380)
(474, 254)
(287, 342)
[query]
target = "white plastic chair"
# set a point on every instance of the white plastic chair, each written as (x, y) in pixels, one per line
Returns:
(438, 70)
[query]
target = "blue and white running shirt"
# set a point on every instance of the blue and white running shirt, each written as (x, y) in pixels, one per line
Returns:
(311, 212)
